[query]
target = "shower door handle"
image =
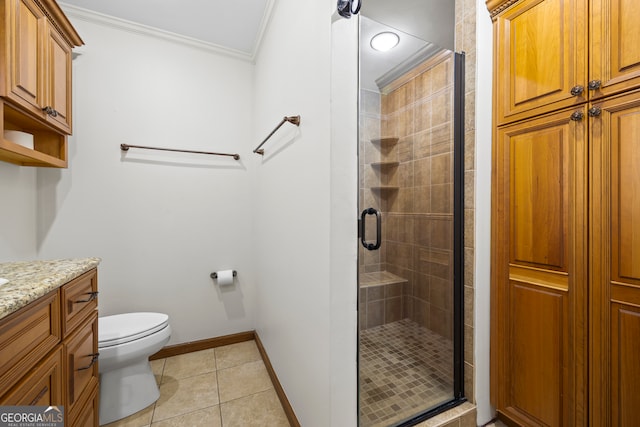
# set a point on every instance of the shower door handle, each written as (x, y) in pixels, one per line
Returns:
(363, 239)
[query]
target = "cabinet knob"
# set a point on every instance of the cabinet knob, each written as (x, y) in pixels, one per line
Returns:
(577, 116)
(595, 84)
(577, 90)
(50, 111)
(594, 111)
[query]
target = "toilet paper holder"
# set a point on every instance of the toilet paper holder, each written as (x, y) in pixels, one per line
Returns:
(214, 275)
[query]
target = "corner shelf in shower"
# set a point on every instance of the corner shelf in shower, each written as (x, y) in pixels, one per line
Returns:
(386, 142)
(385, 188)
(384, 165)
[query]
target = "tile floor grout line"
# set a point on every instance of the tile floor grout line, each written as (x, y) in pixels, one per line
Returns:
(155, 404)
(215, 359)
(247, 395)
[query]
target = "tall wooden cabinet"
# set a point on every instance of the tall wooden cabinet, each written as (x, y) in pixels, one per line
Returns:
(565, 314)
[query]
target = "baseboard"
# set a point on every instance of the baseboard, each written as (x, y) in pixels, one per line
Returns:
(288, 410)
(190, 347)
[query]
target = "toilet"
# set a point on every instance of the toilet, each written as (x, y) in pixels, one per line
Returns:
(125, 342)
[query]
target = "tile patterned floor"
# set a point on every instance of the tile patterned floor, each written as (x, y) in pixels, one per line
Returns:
(404, 369)
(223, 387)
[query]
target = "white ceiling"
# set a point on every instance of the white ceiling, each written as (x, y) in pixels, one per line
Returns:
(234, 25)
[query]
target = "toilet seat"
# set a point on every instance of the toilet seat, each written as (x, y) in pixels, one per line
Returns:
(127, 327)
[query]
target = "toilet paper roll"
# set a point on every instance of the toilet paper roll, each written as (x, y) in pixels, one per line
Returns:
(20, 138)
(225, 277)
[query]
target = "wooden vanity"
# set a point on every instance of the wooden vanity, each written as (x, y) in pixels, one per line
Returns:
(49, 347)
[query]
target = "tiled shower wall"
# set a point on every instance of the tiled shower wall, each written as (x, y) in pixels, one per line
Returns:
(415, 195)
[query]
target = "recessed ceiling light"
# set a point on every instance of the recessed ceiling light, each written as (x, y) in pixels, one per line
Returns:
(384, 41)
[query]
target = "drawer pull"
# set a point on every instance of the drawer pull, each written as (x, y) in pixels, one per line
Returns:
(94, 359)
(92, 296)
(39, 396)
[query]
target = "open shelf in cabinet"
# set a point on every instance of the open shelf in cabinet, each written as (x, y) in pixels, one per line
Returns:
(50, 147)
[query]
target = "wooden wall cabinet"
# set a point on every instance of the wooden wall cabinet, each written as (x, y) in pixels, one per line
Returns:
(555, 54)
(49, 352)
(37, 40)
(565, 291)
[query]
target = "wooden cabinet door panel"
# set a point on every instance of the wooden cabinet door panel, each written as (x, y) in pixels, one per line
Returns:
(59, 78)
(79, 299)
(25, 83)
(81, 358)
(615, 290)
(538, 198)
(540, 56)
(625, 369)
(539, 277)
(538, 362)
(614, 46)
(89, 416)
(28, 335)
(42, 386)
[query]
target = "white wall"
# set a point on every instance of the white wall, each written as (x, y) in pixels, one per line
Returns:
(160, 221)
(296, 215)
(482, 272)
(18, 213)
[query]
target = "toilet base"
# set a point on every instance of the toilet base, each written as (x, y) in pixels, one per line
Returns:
(126, 390)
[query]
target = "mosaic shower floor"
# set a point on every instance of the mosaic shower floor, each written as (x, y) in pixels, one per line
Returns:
(404, 369)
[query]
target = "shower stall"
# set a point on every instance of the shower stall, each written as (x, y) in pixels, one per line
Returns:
(411, 222)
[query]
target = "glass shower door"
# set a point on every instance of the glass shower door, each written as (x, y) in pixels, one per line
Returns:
(409, 272)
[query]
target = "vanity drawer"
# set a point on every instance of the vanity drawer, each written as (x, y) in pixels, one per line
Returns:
(89, 415)
(41, 387)
(79, 299)
(81, 359)
(26, 337)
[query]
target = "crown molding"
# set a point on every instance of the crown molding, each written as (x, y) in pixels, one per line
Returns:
(496, 6)
(133, 27)
(264, 24)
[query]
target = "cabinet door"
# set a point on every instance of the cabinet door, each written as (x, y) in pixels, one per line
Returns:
(42, 386)
(58, 84)
(615, 264)
(26, 23)
(538, 369)
(540, 56)
(614, 46)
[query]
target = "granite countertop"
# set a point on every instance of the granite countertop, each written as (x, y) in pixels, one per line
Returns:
(29, 280)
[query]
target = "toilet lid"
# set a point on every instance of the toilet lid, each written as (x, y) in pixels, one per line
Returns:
(122, 328)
